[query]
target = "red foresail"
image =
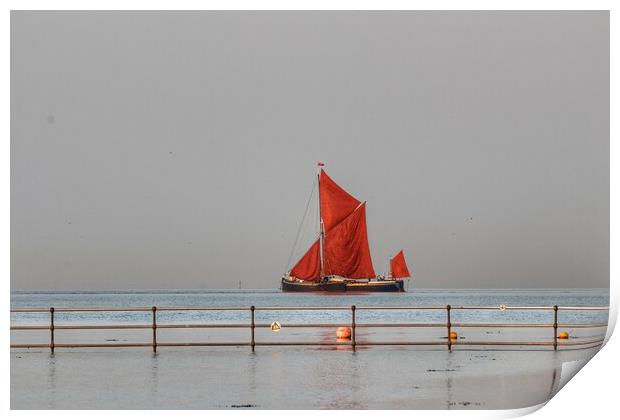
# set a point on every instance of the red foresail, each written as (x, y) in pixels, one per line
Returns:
(309, 266)
(398, 266)
(336, 203)
(345, 249)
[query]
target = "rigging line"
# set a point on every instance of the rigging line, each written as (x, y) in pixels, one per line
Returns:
(290, 257)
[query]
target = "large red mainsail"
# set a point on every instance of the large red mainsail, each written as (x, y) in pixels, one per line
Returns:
(398, 266)
(345, 239)
(309, 266)
(336, 203)
(345, 250)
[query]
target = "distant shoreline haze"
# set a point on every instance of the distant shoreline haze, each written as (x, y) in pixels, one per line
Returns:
(177, 149)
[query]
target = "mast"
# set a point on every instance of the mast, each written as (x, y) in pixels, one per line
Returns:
(321, 233)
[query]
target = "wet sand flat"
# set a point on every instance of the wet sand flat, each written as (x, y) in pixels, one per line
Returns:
(287, 378)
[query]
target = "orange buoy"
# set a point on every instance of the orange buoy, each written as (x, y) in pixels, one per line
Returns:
(563, 335)
(453, 335)
(343, 333)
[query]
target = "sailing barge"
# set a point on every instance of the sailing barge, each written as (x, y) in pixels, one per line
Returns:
(339, 259)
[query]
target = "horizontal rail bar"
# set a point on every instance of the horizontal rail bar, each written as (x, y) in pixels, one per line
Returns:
(525, 343)
(311, 343)
(582, 325)
(169, 326)
(311, 308)
(198, 309)
(504, 308)
(30, 327)
(303, 308)
(503, 343)
(79, 345)
(581, 343)
(136, 309)
(398, 308)
(502, 325)
(201, 309)
(127, 326)
(180, 344)
(341, 343)
(402, 343)
(405, 325)
(205, 325)
(583, 308)
(30, 346)
(443, 343)
(33, 310)
(331, 325)
(202, 344)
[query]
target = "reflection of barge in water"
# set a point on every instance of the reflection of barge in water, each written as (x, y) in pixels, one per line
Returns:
(339, 259)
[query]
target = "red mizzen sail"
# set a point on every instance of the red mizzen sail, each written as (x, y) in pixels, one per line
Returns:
(398, 266)
(309, 266)
(345, 250)
(336, 203)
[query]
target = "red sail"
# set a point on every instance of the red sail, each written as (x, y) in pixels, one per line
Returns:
(345, 248)
(336, 203)
(309, 266)
(398, 266)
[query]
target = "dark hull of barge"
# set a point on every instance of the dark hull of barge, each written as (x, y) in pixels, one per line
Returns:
(343, 287)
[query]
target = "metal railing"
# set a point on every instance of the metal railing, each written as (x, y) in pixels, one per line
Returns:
(449, 341)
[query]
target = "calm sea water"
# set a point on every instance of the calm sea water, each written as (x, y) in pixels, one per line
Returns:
(271, 298)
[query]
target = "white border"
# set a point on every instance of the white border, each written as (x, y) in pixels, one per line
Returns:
(592, 395)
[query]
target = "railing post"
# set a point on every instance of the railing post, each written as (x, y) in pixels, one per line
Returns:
(252, 326)
(555, 327)
(154, 309)
(52, 330)
(353, 327)
(449, 325)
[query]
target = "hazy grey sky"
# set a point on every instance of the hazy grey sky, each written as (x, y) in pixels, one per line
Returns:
(177, 149)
